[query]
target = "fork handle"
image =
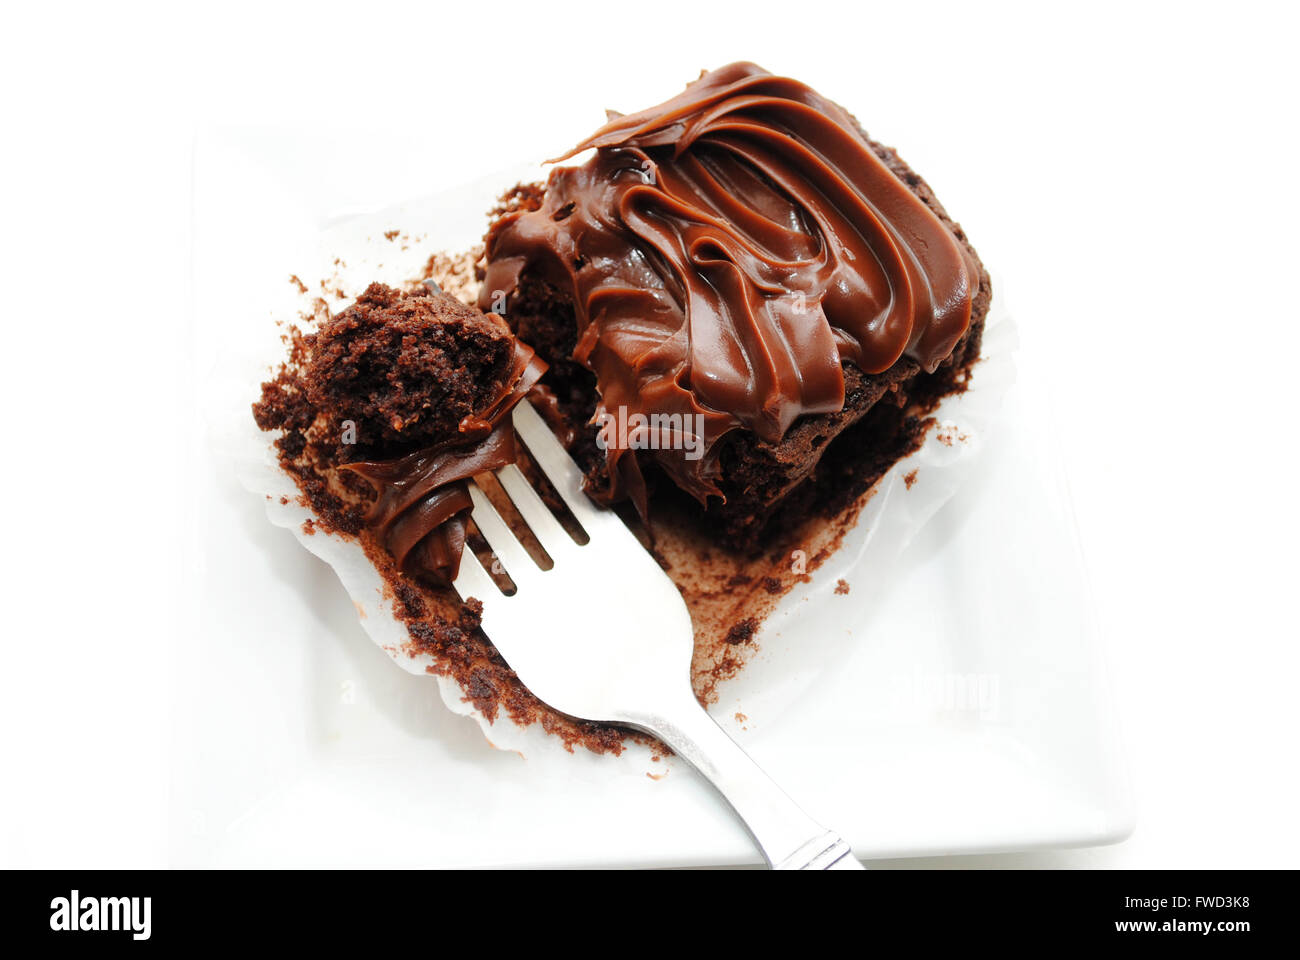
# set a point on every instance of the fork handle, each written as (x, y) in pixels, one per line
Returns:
(788, 838)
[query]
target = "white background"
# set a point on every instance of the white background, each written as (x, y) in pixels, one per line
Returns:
(1129, 168)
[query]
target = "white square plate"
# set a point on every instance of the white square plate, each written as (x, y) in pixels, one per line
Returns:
(969, 714)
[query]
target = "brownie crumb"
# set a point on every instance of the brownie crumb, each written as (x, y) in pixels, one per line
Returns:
(520, 198)
(742, 632)
(411, 606)
(909, 478)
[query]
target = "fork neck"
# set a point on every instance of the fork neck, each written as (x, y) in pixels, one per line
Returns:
(786, 836)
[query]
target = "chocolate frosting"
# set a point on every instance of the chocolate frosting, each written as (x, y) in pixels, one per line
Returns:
(726, 252)
(423, 499)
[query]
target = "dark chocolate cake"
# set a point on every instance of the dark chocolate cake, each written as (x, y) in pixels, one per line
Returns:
(737, 315)
(742, 257)
(407, 368)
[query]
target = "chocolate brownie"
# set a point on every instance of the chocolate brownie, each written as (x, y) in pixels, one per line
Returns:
(734, 231)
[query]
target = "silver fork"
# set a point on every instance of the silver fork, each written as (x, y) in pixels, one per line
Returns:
(624, 654)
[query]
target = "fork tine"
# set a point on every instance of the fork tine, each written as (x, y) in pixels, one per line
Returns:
(519, 565)
(553, 537)
(561, 471)
(473, 580)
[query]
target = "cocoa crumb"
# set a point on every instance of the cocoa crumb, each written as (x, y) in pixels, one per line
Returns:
(742, 632)
(411, 605)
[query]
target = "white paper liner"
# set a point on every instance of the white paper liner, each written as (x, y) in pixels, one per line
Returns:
(804, 637)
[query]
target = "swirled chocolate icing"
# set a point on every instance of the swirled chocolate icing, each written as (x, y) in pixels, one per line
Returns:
(423, 501)
(726, 252)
